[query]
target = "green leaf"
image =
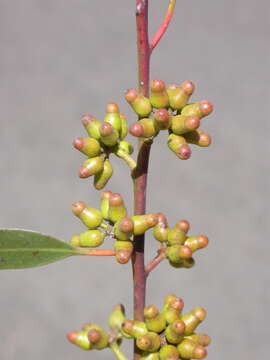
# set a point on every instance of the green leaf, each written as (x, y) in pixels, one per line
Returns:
(24, 249)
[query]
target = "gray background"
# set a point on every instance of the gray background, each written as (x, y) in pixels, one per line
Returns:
(60, 59)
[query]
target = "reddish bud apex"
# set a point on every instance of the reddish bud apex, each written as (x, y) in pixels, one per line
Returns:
(123, 256)
(72, 336)
(78, 143)
(199, 352)
(94, 336)
(150, 311)
(183, 225)
(177, 304)
(184, 152)
(115, 199)
(192, 123)
(151, 219)
(157, 85)
(186, 252)
(78, 207)
(105, 129)
(162, 219)
(206, 107)
(112, 108)
(200, 313)
(131, 95)
(188, 87)
(126, 225)
(171, 86)
(106, 194)
(203, 241)
(86, 119)
(136, 129)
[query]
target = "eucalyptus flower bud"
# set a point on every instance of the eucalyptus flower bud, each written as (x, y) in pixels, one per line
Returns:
(80, 339)
(91, 125)
(91, 167)
(188, 349)
(198, 137)
(184, 263)
(179, 146)
(168, 352)
(97, 336)
(198, 109)
(89, 238)
(160, 230)
(148, 342)
(192, 319)
(145, 127)
(123, 229)
(117, 317)
(158, 94)
(117, 209)
(179, 96)
(90, 217)
(154, 320)
(104, 197)
(181, 124)
(88, 146)
(175, 331)
(140, 104)
(162, 119)
(183, 225)
(199, 339)
(176, 236)
(112, 116)
(123, 250)
(196, 242)
(176, 253)
(134, 328)
(172, 308)
(144, 222)
(102, 177)
(108, 134)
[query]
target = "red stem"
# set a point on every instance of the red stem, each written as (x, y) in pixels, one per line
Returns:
(156, 261)
(140, 175)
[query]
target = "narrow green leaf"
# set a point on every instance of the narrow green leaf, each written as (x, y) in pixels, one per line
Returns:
(24, 249)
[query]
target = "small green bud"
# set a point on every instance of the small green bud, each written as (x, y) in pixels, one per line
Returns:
(149, 342)
(124, 128)
(181, 124)
(176, 236)
(117, 317)
(179, 146)
(140, 104)
(108, 134)
(134, 328)
(176, 253)
(91, 167)
(160, 230)
(97, 336)
(184, 263)
(117, 209)
(192, 319)
(188, 349)
(199, 339)
(162, 119)
(89, 238)
(168, 352)
(175, 331)
(158, 94)
(123, 229)
(145, 127)
(104, 197)
(88, 146)
(172, 308)
(90, 217)
(80, 339)
(154, 320)
(198, 109)
(179, 96)
(91, 125)
(150, 356)
(112, 116)
(196, 242)
(144, 222)
(199, 138)
(123, 250)
(102, 177)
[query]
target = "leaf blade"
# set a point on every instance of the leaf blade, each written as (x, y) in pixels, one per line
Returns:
(21, 249)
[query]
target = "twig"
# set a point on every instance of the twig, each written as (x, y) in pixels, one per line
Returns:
(163, 27)
(96, 252)
(157, 259)
(115, 348)
(127, 158)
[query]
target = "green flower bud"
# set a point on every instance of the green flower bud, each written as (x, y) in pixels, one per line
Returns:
(175, 331)
(80, 339)
(160, 230)
(117, 209)
(123, 250)
(199, 339)
(104, 197)
(90, 238)
(196, 242)
(145, 127)
(90, 217)
(158, 94)
(91, 167)
(183, 225)
(134, 328)
(172, 308)
(144, 222)
(192, 319)
(176, 253)
(97, 336)
(108, 134)
(112, 116)
(123, 229)
(140, 104)
(168, 352)
(101, 178)
(150, 356)
(88, 146)
(176, 236)
(199, 138)
(117, 317)
(162, 119)
(124, 128)
(198, 109)
(181, 124)
(125, 146)
(179, 96)
(154, 320)
(91, 125)
(149, 342)
(179, 146)
(188, 349)
(184, 263)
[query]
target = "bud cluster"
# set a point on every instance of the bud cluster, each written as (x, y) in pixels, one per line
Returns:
(167, 108)
(178, 245)
(104, 138)
(165, 335)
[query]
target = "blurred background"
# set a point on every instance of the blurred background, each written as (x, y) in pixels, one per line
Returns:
(60, 59)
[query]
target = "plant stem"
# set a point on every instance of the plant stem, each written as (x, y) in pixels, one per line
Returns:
(140, 176)
(115, 348)
(127, 158)
(157, 260)
(96, 252)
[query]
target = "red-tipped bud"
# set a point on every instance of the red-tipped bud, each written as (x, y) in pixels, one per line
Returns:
(126, 225)
(157, 85)
(78, 207)
(112, 108)
(123, 256)
(86, 119)
(136, 129)
(184, 152)
(72, 336)
(115, 199)
(188, 87)
(131, 95)
(162, 118)
(105, 129)
(94, 336)
(183, 225)
(78, 143)
(206, 107)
